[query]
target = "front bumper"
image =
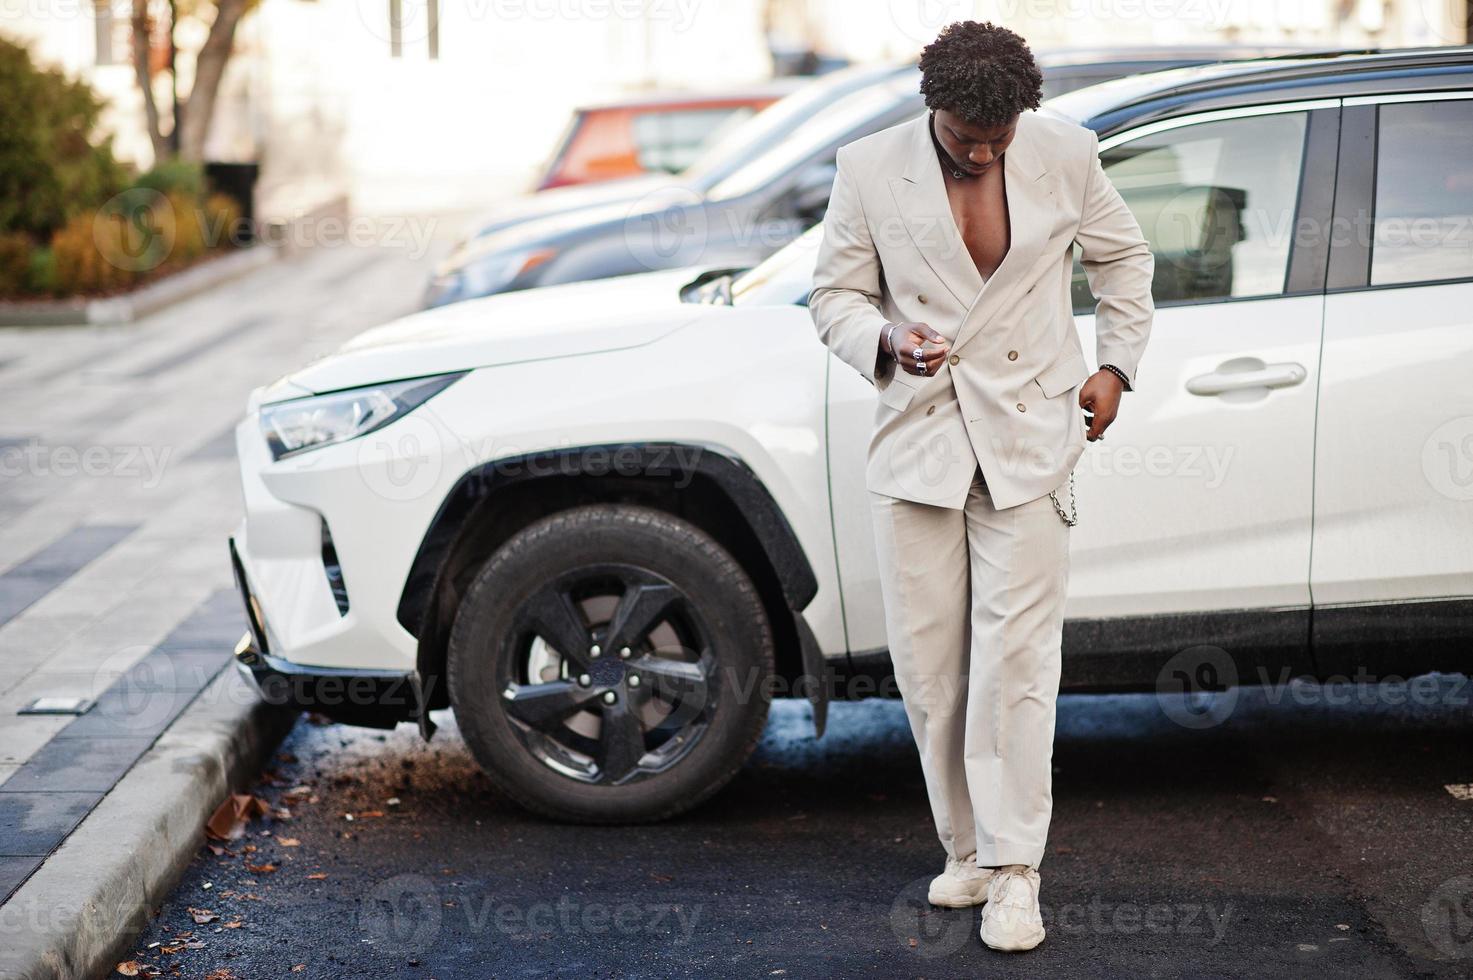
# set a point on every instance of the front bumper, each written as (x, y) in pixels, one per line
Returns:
(373, 699)
(320, 560)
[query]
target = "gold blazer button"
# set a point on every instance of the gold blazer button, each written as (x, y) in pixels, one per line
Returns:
(1012, 355)
(921, 298)
(954, 358)
(1022, 407)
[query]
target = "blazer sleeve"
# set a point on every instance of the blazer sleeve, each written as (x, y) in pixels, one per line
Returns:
(845, 300)
(1119, 265)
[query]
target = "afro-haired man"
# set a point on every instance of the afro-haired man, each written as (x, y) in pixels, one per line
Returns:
(944, 278)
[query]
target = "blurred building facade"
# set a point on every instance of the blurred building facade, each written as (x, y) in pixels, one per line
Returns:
(897, 28)
(415, 105)
(404, 104)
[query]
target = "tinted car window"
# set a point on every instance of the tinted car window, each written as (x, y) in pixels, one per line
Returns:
(1424, 193)
(671, 140)
(1216, 202)
(733, 149)
(856, 111)
(1055, 85)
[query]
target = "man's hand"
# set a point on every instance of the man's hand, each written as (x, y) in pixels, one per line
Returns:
(910, 337)
(1100, 395)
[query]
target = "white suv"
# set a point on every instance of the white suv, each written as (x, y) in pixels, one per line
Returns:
(607, 521)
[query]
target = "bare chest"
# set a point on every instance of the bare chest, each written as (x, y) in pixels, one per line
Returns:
(980, 207)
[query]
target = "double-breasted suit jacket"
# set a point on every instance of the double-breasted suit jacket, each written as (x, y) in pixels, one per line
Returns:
(1006, 398)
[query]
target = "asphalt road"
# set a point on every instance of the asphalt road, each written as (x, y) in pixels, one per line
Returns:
(1301, 833)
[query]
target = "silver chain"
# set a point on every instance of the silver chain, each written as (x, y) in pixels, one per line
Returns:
(1071, 518)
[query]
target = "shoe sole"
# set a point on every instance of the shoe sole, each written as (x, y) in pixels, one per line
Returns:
(1017, 947)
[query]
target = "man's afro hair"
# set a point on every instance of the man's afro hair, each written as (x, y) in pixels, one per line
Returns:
(980, 71)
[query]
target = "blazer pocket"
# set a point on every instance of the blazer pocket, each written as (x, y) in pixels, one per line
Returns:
(897, 394)
(1063, 374)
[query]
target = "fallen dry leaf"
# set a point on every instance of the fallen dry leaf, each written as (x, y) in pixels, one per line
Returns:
(317, 876)
(288, 842)
(128, 968)
(229, 820)
(261, 869)
(299, 967)
(236, 924)
(202, 916)
(371, 813)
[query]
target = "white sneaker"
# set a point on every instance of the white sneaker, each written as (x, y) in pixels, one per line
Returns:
(962, 884)
(1010, 920)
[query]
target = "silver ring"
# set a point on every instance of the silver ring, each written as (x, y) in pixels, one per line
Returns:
(921, 367)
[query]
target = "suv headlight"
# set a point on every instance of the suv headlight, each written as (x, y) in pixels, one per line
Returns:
(303, 424)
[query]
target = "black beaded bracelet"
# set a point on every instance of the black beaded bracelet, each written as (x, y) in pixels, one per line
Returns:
(1118, 373)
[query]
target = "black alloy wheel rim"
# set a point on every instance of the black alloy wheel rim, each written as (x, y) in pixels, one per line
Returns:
(607, 675)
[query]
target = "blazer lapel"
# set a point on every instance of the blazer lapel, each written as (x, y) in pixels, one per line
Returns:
(920, 197)
(920, 194)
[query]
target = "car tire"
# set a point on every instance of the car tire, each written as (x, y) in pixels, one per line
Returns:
(639, 732)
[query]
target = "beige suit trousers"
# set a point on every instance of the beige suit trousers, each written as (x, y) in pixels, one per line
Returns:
(974, 612)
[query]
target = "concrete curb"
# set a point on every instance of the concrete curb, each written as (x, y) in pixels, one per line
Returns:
(141, 302)
(78, 913)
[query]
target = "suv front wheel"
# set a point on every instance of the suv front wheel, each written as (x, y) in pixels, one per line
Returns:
(609, 664)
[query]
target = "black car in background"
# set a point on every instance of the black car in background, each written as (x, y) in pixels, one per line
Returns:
(749, 194)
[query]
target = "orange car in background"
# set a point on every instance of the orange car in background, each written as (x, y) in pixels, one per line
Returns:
(653, 132)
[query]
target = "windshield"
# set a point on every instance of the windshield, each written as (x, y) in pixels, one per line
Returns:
(783, 278)
(826, 127)
(733, 149)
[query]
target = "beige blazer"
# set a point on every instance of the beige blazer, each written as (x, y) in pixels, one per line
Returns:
(1007, 398)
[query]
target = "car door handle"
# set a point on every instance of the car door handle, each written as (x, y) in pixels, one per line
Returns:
(1246, 372)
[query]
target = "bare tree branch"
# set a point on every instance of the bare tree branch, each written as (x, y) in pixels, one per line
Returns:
(209, 70)
(142, 45)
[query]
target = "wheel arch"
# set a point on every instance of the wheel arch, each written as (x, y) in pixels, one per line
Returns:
(707, 486)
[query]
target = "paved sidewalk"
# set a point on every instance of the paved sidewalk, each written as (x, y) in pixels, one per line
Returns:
(118, 490)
